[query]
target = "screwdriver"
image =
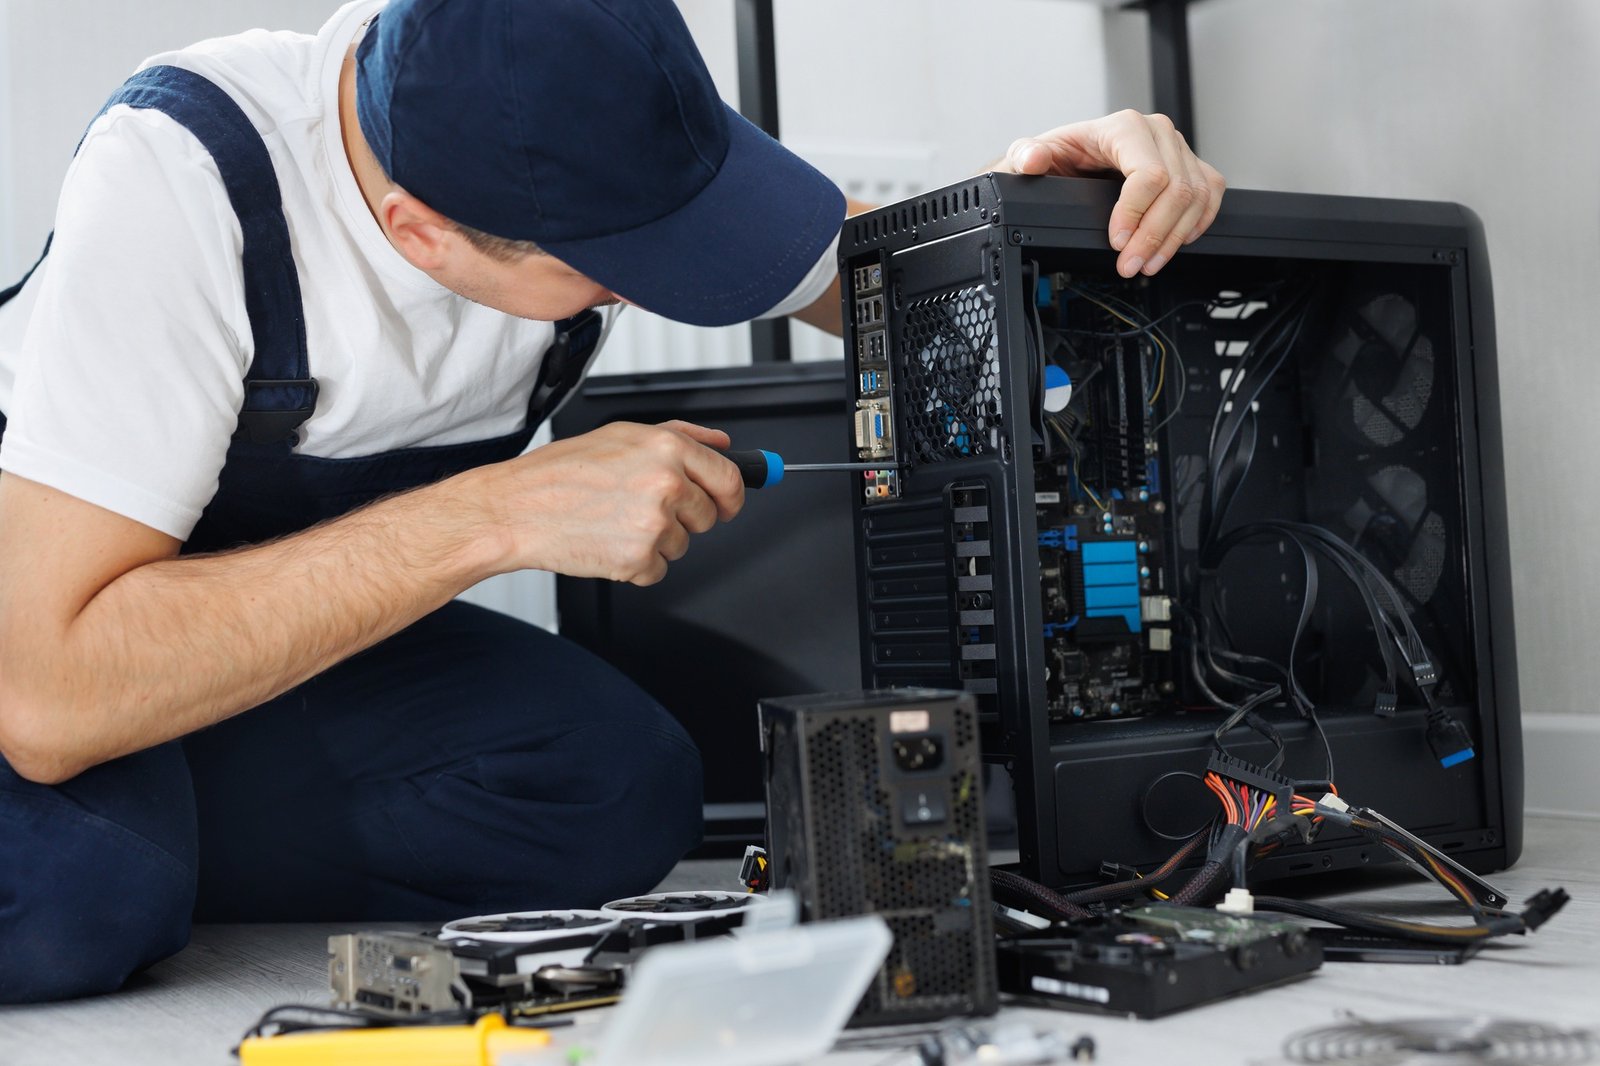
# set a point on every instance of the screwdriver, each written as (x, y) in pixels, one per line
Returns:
(401, 1045)
(761, 468)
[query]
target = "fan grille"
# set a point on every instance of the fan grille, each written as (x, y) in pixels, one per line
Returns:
(950, 405)
(1390, 369)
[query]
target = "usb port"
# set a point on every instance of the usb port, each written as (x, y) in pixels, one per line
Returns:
(869, 383)
(868, 279)
(870, 347)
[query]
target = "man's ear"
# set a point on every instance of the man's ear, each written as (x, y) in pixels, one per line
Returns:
(421, 234)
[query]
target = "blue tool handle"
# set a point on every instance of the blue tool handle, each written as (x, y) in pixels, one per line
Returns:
(759, 468)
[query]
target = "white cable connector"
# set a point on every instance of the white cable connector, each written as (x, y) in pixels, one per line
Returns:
(1027, 918)
(1332, 804)
(1238, 901)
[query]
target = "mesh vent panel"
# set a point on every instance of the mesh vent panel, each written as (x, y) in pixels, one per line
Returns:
(926, 885)
(950, 404)
(844, 776)
(928, 966)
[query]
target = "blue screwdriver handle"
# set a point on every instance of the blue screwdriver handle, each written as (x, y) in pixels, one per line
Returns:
(758, 467)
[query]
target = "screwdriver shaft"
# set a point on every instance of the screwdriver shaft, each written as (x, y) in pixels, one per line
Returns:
(841, 466)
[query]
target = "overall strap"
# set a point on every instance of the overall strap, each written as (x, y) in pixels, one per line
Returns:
(7, 294)
(576, 342)
(279, 391)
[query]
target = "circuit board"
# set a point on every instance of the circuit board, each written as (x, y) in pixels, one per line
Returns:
(1102, 518)
(1105, 654)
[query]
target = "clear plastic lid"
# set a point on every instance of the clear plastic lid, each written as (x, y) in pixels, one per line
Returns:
(768, 997)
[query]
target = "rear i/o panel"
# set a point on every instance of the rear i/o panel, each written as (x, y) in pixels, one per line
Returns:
(874, 434)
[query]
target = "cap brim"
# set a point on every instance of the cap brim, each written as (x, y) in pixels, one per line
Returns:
(734, 251)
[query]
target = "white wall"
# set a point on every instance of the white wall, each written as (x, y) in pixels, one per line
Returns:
(60, 59)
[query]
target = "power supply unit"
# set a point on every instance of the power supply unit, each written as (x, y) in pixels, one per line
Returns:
(1258, 497)
(875, 807)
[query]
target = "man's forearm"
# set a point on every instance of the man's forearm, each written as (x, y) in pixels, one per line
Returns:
(110, 643)
(175, 645)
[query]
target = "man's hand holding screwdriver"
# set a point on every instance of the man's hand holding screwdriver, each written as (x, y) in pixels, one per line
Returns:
(620, 502)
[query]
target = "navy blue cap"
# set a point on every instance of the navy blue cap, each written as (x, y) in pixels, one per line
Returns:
(592, 127)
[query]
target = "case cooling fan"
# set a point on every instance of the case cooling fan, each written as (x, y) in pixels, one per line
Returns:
(1494, 1041)
(681, 906)
(1380, 380)
(530, 927)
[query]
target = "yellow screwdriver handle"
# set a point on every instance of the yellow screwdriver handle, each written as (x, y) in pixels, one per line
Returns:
(402, 1045)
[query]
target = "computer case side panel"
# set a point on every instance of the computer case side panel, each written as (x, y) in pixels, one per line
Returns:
(1495, 552)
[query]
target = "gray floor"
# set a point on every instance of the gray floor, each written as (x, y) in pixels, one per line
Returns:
(190, 1010)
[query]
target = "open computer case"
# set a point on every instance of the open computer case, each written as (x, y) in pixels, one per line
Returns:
(1114, 510)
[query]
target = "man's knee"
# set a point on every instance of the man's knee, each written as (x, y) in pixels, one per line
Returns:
(602, 812)
(85, 902)
(657, 816)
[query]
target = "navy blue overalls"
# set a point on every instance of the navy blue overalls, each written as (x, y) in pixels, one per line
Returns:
(471, 763)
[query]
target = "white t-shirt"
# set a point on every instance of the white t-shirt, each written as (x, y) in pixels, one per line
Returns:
(122, 361)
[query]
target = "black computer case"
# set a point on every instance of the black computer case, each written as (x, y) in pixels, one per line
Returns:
(1055, 563)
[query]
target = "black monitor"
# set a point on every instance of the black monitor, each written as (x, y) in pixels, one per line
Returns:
(760, 607)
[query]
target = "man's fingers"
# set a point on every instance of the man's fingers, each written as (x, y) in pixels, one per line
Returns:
(1218, 185)
(698, 511)
(1140, 192)
(673, 544)
(1127, 144)
(1028, 156)
(713, 473)
(651, 573)
(1199, 204)
(1169, 195)
(711, 438)
(1153, 242)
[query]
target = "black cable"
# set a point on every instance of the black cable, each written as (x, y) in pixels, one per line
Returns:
(1154, 879)
(1423, 932)
(1207, 886)
(1147, 329)
(1014, 890)
(1227, 469)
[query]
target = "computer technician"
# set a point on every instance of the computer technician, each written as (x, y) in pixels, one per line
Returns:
(265, 405)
